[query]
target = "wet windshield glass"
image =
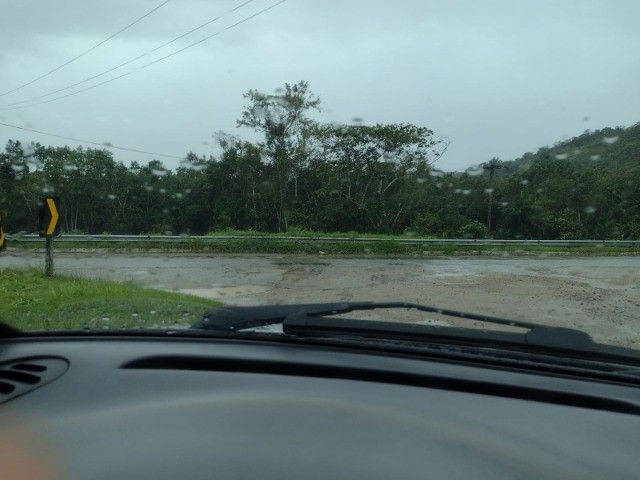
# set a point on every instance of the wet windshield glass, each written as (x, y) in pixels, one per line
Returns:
(163, 157)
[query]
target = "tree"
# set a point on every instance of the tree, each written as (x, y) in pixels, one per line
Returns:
(283, 122)
(374, 169)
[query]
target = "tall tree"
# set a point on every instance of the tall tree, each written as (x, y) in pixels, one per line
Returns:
(283, 122)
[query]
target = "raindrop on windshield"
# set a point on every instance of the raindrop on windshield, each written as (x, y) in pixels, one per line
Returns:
(466, 192)
(590, 210)
(524, 182)
(610, 140)
(595, 157)
(357, 120)
(562, 156)
(489, 190)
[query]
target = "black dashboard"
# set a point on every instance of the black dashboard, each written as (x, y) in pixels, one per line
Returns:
(161, 408)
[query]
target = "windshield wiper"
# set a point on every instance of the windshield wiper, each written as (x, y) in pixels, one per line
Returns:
(311, 320)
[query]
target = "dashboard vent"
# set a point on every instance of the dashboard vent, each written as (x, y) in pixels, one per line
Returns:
(23, 375)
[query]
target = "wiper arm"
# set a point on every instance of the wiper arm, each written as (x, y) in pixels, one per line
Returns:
(309, 320)
(240, 318)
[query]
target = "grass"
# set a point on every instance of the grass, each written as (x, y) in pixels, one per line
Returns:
(31, 301)
(389, 248)
(301, 232)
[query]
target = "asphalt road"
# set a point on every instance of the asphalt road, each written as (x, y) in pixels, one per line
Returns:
(598, 294)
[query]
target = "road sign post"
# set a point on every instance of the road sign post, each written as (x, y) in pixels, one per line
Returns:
(48, 227)
(48, 257)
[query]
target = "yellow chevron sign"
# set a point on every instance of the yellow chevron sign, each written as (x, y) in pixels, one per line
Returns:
(53, 223)
(49, 216)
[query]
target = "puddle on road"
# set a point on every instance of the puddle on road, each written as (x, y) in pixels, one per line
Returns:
(223, 293)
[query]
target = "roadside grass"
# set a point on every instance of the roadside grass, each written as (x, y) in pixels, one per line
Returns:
(31, 301)
(387, 248)
(301, 232)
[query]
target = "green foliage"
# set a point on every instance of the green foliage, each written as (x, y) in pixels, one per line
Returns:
(302, 178)
(473, 230)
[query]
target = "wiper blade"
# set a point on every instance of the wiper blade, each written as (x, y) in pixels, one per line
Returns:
(240, 318)
(309, 320)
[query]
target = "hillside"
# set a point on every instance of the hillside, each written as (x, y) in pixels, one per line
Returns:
(609, 147)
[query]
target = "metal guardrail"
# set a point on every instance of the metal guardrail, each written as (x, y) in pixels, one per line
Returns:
(319, 239)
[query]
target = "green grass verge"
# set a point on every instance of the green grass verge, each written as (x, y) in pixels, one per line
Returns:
(31, 301)
(390, 248)
(300, 232)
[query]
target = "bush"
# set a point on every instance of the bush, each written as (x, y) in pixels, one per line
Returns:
(473, 230)
(426, 225)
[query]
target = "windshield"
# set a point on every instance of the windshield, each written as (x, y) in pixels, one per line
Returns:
(164, 157)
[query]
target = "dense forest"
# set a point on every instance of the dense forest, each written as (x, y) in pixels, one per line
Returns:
(327, 177)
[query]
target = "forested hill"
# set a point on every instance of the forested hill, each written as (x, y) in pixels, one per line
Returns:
(609, 147)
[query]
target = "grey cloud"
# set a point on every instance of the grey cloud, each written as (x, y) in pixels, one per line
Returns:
(497, 78)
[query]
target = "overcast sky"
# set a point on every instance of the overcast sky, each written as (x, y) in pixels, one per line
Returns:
(496, 78)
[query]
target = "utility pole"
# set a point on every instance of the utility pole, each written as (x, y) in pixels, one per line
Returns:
(491, 166)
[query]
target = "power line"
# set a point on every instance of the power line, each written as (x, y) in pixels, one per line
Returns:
(154, 62)
(82, 54)
(90, 142)
(131, 60)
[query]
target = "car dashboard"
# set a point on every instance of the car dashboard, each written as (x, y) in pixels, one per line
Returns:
(156, 408)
